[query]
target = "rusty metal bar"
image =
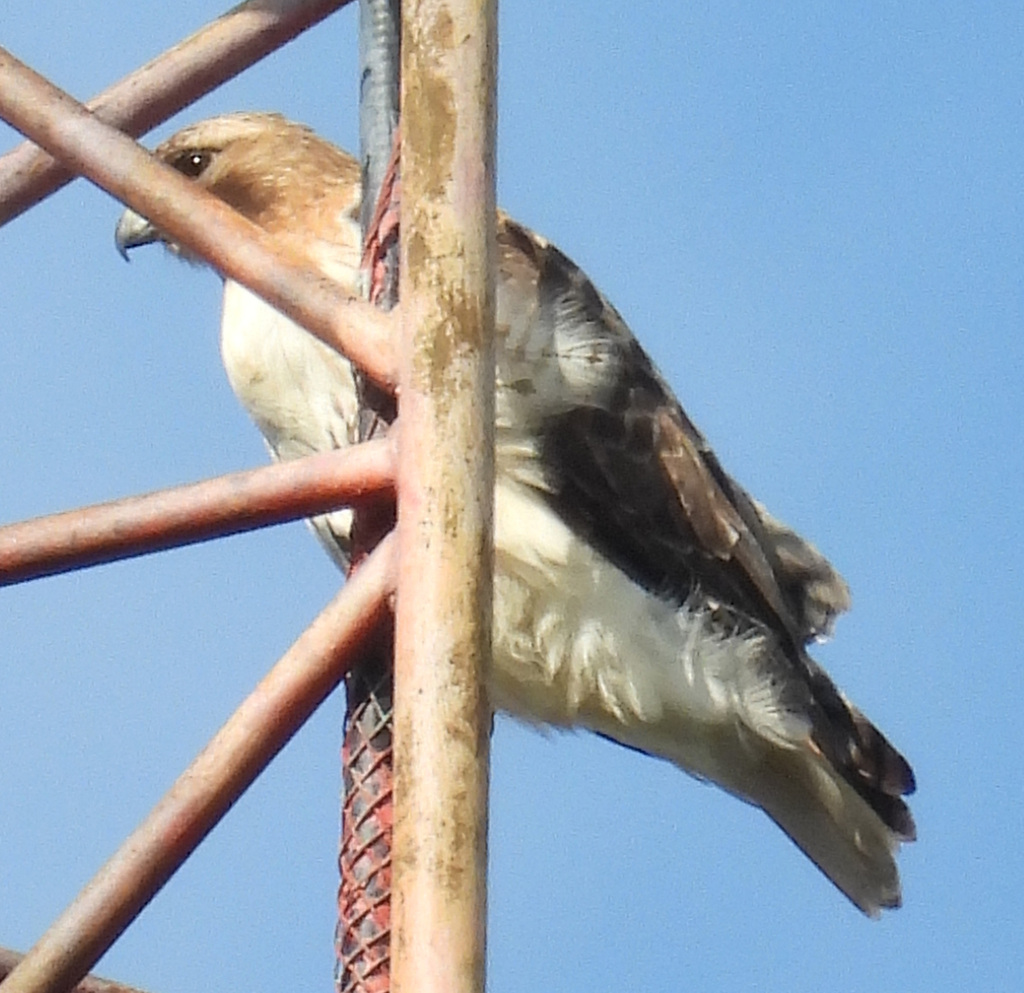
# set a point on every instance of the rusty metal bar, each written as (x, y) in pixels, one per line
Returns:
(363, 932)
(91, 984)
(445, 481)
(252, 736)
(162, 87)
(234, 246)
(241, 501)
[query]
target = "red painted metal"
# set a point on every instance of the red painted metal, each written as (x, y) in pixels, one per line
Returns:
(363, 937)
(253, 735)
(233, 245)
(91, 984)
(227, 505)
(446, 475)
(364, 896)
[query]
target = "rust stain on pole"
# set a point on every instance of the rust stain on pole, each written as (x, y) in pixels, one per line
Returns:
(445, 486)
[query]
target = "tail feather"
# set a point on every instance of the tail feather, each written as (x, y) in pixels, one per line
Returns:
(858, 752)
(834, 826)
(853, 839)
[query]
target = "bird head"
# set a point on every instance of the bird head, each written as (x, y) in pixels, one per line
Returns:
(278, 174)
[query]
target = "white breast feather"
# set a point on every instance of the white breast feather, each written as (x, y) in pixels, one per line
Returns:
(577, 642)
(300, 392)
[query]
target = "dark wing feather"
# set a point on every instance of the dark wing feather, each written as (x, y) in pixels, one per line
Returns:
(633, 473)
(628, 470)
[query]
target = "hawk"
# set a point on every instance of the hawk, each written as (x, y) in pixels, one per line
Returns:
(640, 591)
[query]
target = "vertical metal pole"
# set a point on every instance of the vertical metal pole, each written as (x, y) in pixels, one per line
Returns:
(362, 938)
(445, 493)
(379, 55)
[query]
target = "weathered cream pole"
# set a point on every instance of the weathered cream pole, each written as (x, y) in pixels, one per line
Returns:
(445, 495)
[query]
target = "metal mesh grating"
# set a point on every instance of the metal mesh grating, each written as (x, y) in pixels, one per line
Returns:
(364, 897)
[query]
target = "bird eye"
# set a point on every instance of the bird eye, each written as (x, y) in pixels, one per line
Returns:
(193, 163)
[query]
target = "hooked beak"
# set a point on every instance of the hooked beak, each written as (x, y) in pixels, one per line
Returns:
(133, 230)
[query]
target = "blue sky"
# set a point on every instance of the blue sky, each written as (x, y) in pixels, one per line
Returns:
(811, 216)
